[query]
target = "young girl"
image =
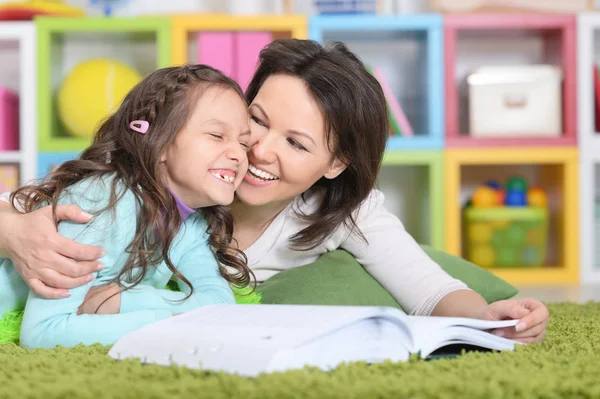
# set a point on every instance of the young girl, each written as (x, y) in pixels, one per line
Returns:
(156, 180)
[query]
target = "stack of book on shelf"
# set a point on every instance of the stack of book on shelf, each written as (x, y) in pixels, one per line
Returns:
(399, 124)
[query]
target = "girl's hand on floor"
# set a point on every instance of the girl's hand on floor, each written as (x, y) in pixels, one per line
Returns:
(532, 316)
(102, 299)
(47, 261)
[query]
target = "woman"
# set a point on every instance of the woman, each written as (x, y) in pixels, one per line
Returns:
(319, 128)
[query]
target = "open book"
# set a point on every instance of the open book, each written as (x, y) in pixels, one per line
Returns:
(252, 339)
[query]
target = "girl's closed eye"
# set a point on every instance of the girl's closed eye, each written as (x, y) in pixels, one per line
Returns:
(216, 135)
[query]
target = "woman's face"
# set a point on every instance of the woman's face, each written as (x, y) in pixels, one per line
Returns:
(289, 152)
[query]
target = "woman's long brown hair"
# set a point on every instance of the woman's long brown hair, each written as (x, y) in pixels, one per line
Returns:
(165, 99)
(356, 119)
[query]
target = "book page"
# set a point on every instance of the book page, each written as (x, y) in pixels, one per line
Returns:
(242, 338)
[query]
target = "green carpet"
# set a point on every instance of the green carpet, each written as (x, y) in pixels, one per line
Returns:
(565, 365)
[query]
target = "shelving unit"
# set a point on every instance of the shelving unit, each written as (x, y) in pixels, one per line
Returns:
(17, 51)
(400, 46)
(505, 39)
(142, 43)
(553, 168)
(588, 54)
(425, 178)
(412, 183)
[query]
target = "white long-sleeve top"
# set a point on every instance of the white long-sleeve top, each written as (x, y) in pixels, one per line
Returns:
(391, 255)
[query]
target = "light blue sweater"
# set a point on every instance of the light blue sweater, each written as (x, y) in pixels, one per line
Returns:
(48, 323)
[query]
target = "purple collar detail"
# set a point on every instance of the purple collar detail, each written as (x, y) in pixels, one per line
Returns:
(184, 210)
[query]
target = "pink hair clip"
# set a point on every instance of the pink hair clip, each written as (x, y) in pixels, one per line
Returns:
(139, 126)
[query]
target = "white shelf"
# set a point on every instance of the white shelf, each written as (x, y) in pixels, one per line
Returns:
(24, 34)
(10, 157)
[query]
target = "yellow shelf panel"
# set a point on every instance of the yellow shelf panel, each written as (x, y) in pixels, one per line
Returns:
(545, 275)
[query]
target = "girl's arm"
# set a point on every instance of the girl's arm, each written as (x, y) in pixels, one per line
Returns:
(47, 323)
(194, 259)
(199, 266)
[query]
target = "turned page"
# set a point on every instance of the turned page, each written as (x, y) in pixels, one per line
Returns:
(430, 333)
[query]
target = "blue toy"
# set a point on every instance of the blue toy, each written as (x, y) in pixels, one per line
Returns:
(516, 198)
(493, 184)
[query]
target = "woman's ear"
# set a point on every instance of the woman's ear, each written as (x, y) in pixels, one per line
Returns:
(336, 167)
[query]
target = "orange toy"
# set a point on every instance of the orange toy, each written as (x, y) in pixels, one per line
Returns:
(537, 197)
(27, 10)
(484, 197)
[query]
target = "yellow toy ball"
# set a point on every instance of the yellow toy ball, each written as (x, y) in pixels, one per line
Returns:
(92, 91)
(484, 197)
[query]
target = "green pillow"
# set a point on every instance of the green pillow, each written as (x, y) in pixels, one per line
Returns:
(336, 278)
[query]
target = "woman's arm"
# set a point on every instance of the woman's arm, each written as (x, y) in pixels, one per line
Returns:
(396, 261)
(47, 261)
(421, 286)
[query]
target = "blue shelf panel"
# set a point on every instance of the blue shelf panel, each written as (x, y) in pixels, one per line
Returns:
(48, 160)
(427, 26)
(415, 143)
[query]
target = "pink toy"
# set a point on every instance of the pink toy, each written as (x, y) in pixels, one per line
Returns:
(9, 120)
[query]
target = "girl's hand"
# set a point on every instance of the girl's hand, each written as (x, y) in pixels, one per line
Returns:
(102, 299)
(47, 261)
(532, 316)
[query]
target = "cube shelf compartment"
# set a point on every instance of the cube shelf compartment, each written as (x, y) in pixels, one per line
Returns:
(555, 169)
(412, 183)
(410, 41)
(141, 43)
(18, 77)
(507, 39)
(185, 28)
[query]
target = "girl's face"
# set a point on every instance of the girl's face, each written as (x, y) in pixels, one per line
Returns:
(289, 152)
(207, 160)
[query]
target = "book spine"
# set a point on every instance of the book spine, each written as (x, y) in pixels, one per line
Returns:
(248, 47)
(393, 103)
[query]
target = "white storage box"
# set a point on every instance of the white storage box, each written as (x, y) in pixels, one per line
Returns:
(515, 101)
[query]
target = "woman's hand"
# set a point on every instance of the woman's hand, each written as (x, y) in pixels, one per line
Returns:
(532, 316)
(48, 262)
(102, 299)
